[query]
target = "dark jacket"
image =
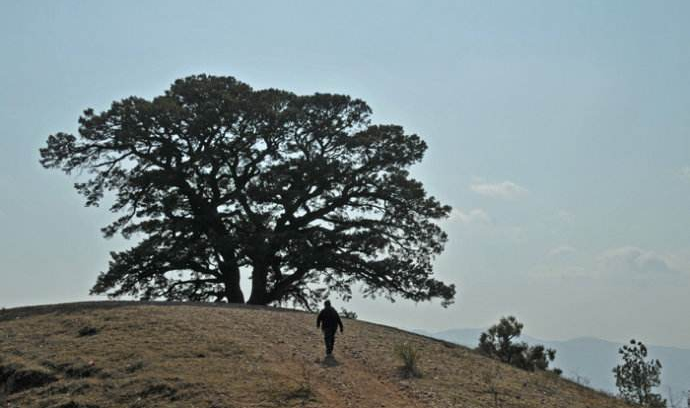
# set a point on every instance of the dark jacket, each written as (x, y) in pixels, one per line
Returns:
(329, 320)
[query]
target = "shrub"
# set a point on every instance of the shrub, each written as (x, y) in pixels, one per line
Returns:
(497, 342)
(348, 314)
(88, 331)
(409, 356)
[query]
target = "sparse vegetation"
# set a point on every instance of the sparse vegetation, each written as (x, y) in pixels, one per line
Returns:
(303, 391)
(348, 314)
(490, 379)
(88, 331)
(636, 377)
(408, 354)
(580, 379)
(498, 342)
(17, 376)
(136, 366)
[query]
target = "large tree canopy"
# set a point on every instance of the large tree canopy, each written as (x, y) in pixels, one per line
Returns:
(217, 180)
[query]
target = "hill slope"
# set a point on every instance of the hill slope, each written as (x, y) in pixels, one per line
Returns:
(115, 354)
(593, 359)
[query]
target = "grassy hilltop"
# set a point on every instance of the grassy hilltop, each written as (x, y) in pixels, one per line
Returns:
(128, 354)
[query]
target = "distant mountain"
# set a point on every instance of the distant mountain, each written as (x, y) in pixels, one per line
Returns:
(592, 359)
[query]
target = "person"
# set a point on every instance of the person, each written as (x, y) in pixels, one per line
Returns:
(329, 321)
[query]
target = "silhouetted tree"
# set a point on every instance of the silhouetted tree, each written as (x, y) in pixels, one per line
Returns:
(216, 179)
(497, 342)
(636, 377)
(349, 314)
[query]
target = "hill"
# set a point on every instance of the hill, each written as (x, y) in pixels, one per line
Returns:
(117, 354)
(592, 359)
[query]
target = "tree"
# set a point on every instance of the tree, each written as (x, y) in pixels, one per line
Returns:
(348, 314)
(636, 377)
(497, 342)
(218, 180)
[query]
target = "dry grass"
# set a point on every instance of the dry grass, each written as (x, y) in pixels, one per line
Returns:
(409, 356)
(140, 355)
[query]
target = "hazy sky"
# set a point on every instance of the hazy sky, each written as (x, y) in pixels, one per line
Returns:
(558, 130)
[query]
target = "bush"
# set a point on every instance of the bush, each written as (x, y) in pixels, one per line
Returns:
(348, 314)
(88, 331)
(497, 343)
(409, 356)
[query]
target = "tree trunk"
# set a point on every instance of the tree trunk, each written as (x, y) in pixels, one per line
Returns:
(231, 280)
(259, 294)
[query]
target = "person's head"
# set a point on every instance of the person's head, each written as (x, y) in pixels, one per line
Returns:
(327, 303)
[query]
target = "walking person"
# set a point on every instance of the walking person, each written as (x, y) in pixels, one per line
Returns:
(329, 321)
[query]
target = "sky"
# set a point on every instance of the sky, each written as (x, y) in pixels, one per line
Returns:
(559, 131)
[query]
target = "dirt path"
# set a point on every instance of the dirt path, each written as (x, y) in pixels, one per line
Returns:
(349, 384)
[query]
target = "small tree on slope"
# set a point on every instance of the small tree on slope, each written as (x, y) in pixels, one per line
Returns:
(217, 180)
(497, 342)
(636, 377)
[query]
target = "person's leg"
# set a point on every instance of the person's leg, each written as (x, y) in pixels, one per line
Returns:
(329, 338)
(325, 340)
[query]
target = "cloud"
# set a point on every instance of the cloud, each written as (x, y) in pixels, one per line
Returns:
(559, 272)
(562, 250)
(616, 266)
(505, 190)
(558, 264)
(476, 215)
(635, 263)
